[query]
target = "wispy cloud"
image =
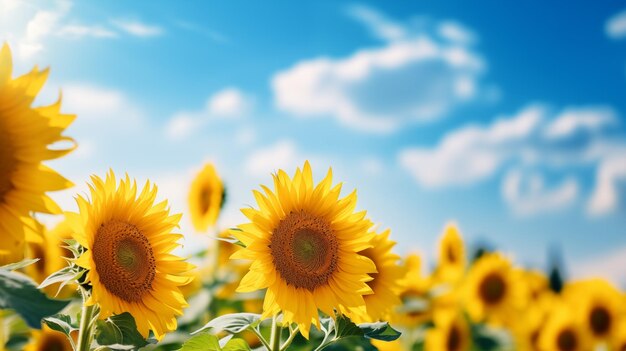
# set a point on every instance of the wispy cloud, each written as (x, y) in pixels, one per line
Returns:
(415, 76)
(138, 28)
(616, 26)
(527, 194)
(202, 30)
(80, 30)
(229, 103)
(606, 194)
(536, 137)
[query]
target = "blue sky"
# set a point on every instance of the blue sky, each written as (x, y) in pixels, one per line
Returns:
(506, 118)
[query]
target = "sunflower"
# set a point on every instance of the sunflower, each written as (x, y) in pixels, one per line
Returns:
(205, 198)
(600, 306)
(451, 256)
(128, 239)
(450, 333)
(395, 345)
(414, 294)
(52, 257)
(563, 331)
(304, 244)
(26, 133)
(529, 323)
(618, 341)
(47, 339)
(385, 284)
(493, 290)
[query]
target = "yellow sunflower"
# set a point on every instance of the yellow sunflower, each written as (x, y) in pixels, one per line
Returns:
(47, 339)
(450, 333)
(395, 345)
(205, 198)
(414, 294)
(26, 134)
(493, 290)
(618, 341)
(529, 324)
(563, 331)
(599, 304)
(451, 265)
(385, 284)
(129, 241)
(52, 257)
(304, 244)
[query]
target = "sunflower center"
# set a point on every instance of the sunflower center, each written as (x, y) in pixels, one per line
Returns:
(567, 340)
(599, 320)
(205, 199)
(7, 163)
(304, 249)
(124, 260)
(451, 254)
(454, 339)
(54, 342)
(492, 288)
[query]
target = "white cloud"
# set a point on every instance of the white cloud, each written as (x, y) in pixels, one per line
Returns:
(381, 26)
(536, 136)
(527, 194)
(456, 32)
(101, 105)
(80, 31)
(138, 28)
(471, 153)
(610, 173)
(580, 119)
(281, 155)
(228, 103)
(43, 24)
(616, 26)
(609, 265)
(413, 77)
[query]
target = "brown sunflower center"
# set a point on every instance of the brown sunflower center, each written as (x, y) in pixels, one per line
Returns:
(451, 254)
(124, 260)
(8, 162)
(205, 199)
(567, 340)
(454, 339)
(493, 288)
(304, 248)
(54, 342)
(38, 252)
(600, 320)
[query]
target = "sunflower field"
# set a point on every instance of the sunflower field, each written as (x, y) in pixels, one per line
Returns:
(306, 270)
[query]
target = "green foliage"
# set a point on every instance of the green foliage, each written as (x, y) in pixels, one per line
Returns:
(61, 323)
(119, 332)
(19, 293)
(209, 342)
(232, 323)
(337, 330)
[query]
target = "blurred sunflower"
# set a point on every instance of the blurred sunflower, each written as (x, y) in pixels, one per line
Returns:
(618, 341)
(128, 240)
(395, 345)
(205, 198)
(450, 333)
(47, 339)
(414, 290)
(52, 257)
(600, 305)
(493, 291)
(529, 323)
(385, 284)
(451, 265)
(26, 133)
(563, 331)
(537, 284)
(304, 243)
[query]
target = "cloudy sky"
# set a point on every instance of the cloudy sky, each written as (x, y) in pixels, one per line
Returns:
(507, 118)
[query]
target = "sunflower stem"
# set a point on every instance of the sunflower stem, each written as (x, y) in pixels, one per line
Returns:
(292, 335)
(85, 333)
(275, 335)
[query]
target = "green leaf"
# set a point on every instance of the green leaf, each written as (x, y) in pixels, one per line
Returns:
(202, 342)
(61, 323)
(59, 276)
(210, 342)
(232, 323)
(379, 331)
(18, 292)
(18, 265)
(236, 345)
(119, 331)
